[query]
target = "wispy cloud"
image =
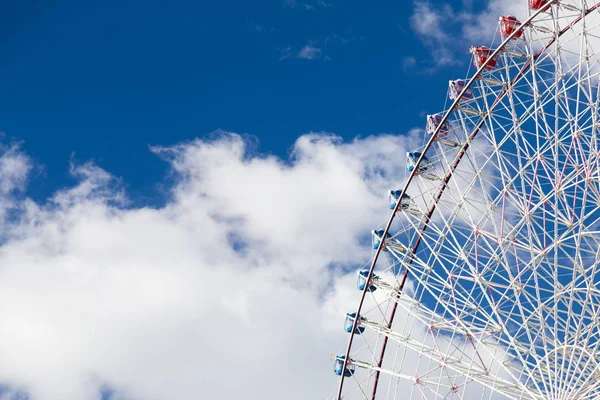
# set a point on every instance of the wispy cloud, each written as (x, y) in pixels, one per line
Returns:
(260, 28)
(322, 3)
(310, 6)
(316, 49)
(433, 26)
(286, 52)
(341, 39)
(409, 63)
(309, 52)
(429, 22)
(477, 25)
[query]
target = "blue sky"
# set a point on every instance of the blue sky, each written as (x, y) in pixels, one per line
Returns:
(101, 96)
(218, 115)
(105, 80)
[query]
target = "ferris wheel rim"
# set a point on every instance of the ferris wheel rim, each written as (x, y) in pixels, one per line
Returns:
(465, 146)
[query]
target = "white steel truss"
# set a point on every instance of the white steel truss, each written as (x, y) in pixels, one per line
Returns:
(495, 293)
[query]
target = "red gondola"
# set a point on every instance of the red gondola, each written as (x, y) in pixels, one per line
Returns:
(481, 55)
(509, 24)
(537, 4)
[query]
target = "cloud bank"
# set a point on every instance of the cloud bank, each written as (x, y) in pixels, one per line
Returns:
(235, 288)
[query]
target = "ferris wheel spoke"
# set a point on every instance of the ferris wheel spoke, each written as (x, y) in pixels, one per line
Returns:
(492, 263)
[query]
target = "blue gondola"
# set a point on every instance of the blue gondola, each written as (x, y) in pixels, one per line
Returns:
(341, 366)
(349, 323)
(456, 87)
(412, 158)
(362, 281)
(395, 195)
(435, 121)
(377, 235)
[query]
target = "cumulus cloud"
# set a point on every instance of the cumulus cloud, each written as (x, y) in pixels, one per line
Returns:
(235, 288)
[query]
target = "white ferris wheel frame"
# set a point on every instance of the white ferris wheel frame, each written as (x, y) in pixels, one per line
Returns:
(445, 180)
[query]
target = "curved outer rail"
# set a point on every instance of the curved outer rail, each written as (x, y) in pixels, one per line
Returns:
(446, 178)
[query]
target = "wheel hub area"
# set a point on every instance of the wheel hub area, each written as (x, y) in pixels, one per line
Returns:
(569, 372)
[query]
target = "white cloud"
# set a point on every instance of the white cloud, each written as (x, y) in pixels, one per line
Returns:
(309, 52)
(310, 6)
(261, 28)
(317, 49)
(483, 25)
(233, 289)
(428, 21)
(286, 53)
(15, 167)
(447, 31)
(324, 4)
(409, 63)
(432, 24)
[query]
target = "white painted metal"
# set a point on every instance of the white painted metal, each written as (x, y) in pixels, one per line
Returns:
(502, 292)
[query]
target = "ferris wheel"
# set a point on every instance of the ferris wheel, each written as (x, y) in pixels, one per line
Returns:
(485, 280)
